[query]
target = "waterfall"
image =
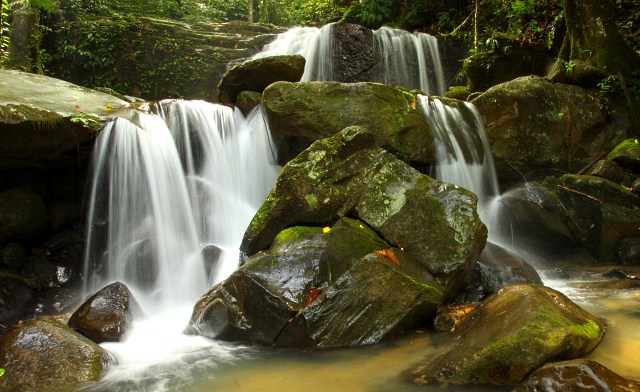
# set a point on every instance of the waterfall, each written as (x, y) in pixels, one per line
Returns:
(463, 152)
(171, 197)
(400, 58)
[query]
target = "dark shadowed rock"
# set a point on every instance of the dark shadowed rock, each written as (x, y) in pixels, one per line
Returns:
(300, 113)
(23, 214)
(13, 256)
(627, 155)
(256, 75)
(353, 54)
(45, 355)
(247, 101)
(347, 174)
(495, 269)
(512, 333)
(576, 375)
(17, 299)
(107, 315)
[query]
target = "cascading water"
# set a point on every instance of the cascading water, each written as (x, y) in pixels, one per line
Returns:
(401, 58)
(169, 203)
(463, 151)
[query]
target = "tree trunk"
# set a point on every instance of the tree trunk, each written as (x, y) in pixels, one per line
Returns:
(593, 44)
(250, 11)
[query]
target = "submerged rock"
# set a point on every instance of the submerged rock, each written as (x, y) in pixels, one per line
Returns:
(320, 287)
(512, 333)
(300, 113)
(348, 175)
(45, 355)
(576, 375)
(256, 75)
(107, 315)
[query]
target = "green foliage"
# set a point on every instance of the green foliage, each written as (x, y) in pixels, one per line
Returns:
(376, 12)
(4, 31)
(1, 372)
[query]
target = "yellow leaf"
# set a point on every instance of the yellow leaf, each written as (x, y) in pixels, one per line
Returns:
(326, 230)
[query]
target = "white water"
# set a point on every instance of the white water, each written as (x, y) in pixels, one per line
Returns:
(401, 58)
(169, 203)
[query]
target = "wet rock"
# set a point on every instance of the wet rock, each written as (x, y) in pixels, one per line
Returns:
(107, 315)
(13, 256)
(576, 375)
(434, 222)
(373, 301)
(259, 299)
(17, 299)
(449, 317)
(320, 287)
(512, 333)
(256, 75)
(565, 121)
(23, 215)
(300, 113)
(60, 300)
(353, 54)
(495, 269)
(572, 211)
(43, 117)
(42, 354)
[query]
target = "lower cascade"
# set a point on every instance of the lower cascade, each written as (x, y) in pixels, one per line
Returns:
(171, 196)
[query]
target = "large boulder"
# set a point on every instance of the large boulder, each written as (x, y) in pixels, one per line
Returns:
(23, 215)
(106, 316)
(512, 333)
(256, 75)
(535, 125)
(43, 354)
(300, 113)
(348, 175)
(576, 375)
(320, 287)
(576, 211)
(42, 117)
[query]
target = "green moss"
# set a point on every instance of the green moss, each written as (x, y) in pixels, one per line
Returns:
(624, 148)
(293, 234)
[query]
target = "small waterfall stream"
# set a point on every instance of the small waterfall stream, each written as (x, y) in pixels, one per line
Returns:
(410, 60)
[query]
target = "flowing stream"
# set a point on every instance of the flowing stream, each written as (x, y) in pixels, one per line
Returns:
(171, 196)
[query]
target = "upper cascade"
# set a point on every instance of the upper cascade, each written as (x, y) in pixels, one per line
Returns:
(390, 56)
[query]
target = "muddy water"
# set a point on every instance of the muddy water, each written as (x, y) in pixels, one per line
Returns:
(236, 368)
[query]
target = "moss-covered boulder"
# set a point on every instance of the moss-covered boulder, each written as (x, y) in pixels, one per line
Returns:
(256, 75)
(312, 288)
(512, 333)
(107, 315)
(152, 58)
(537, 126)
(576, 375)
(300, 113)
(42, 117)
(43, 355)
(348, 175)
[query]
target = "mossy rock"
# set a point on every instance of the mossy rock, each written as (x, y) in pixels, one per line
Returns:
(43, 117)
(348, 175)
(256, 75)
(512, 333)
(43, 354)
(537, 126)
(300, 113)
(627, 155)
